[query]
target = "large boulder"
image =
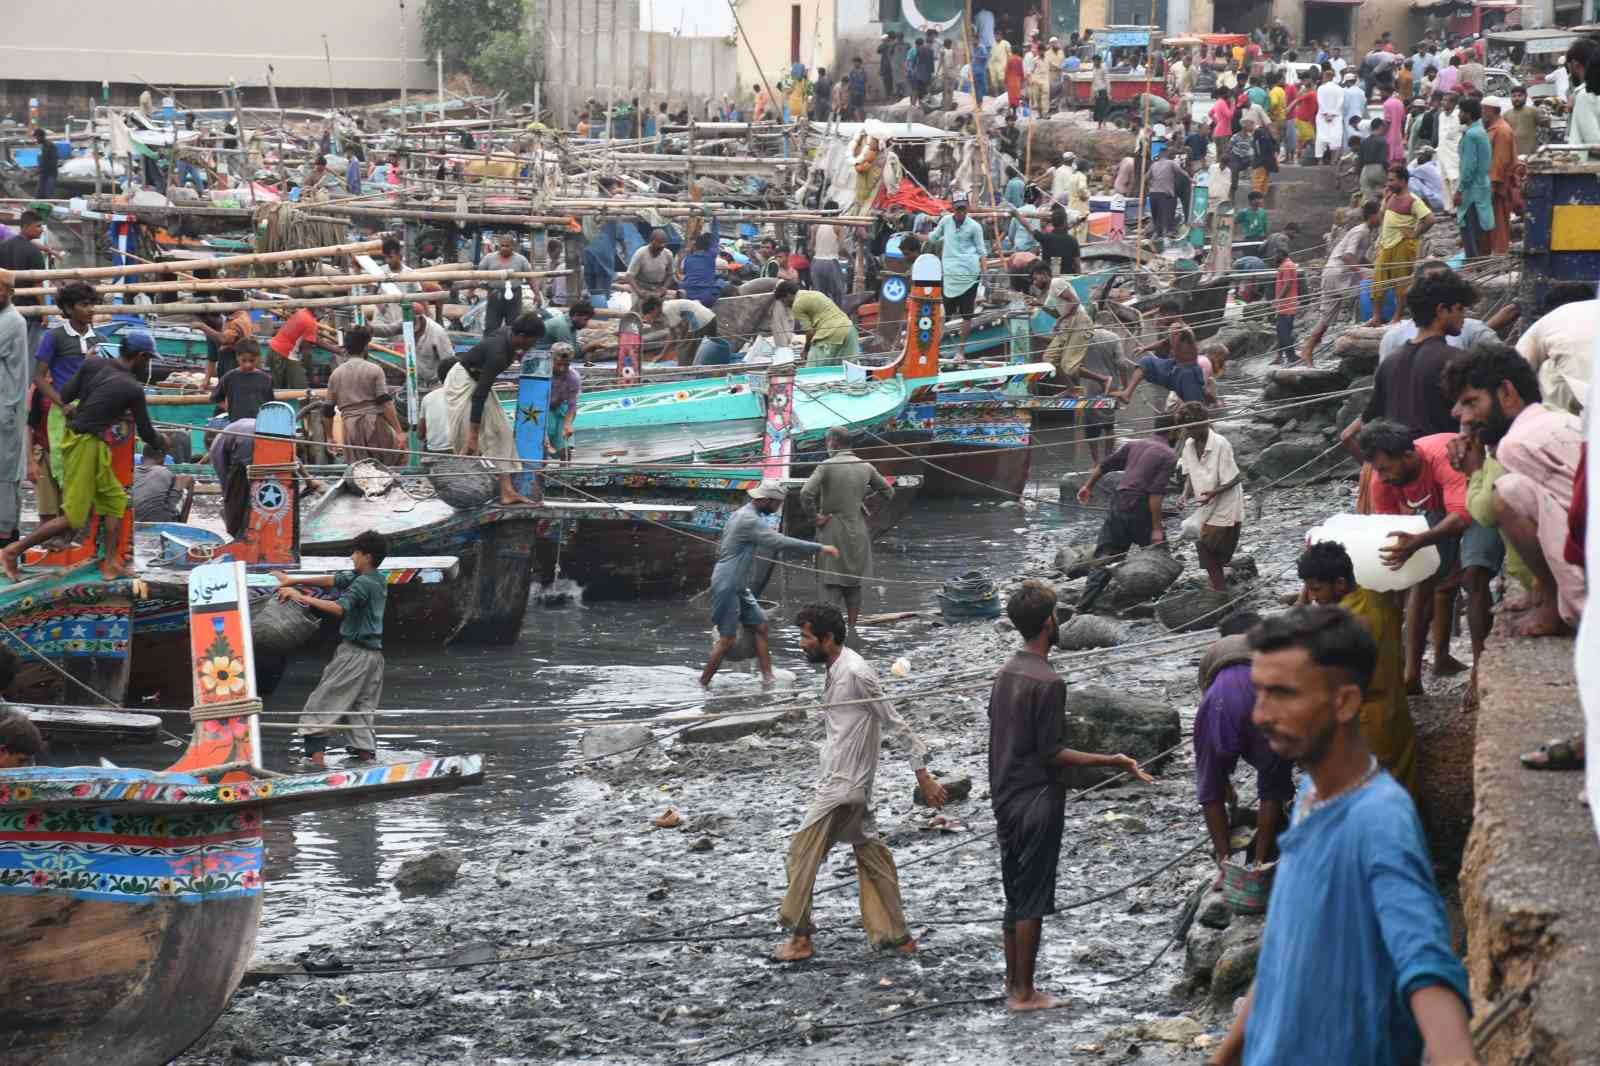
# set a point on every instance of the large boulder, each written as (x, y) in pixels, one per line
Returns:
(1085, 631)
(1201, 950)
(1235, 967)
(1247, 338)
(1103, 719)
(1298, 382)
(1069, 133)
(1191, 610)
(1142, 577)
(1357, 351)
(429, 873)
(1300, 461)
(1075, 560)
(602, 740)
(1105, 490)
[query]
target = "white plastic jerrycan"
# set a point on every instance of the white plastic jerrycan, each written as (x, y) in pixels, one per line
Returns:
(1363, 535)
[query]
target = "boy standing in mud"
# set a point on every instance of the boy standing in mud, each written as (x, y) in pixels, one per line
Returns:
(1027, 752)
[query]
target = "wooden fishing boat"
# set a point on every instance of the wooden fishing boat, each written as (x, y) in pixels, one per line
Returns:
(78, 635)
(91, 725)
(130, 899)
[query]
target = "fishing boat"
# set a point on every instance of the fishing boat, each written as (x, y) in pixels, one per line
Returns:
(124, 640)
(130, 899)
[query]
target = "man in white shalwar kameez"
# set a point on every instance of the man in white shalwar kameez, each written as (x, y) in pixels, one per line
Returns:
(16, 368)
(854, 712)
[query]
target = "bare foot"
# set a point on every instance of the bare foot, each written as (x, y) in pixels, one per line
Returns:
(112, 569)
(1414, 686)
(318, 760)
(795, 949)
(516, 499)
(1517, 601)
(8, 563)
(1375, 323)
(1034, 1000)
(908, 948)
(1447, 664)
(1543, 621)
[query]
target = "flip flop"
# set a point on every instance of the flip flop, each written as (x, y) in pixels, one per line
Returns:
(1559, 754)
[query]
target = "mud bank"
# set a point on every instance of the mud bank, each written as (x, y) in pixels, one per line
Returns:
(698, 902)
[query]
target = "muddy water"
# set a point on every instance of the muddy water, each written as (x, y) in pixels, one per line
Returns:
(326, 870)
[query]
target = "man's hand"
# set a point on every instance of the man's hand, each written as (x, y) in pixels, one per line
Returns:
(932, 791)
(472, 442)
(1466, 453)
(282, 578)
(1128, 764)
(823, 519)
(289, 594)
(830, 550)
(1404, 546)
(1204, 498)
(1083, 494)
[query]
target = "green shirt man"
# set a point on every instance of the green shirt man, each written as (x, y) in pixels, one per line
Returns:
(1251, 224)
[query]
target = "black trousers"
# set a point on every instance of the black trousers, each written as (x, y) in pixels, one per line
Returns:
(1164, 212)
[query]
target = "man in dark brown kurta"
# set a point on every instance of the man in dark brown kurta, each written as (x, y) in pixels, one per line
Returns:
(1027, 752)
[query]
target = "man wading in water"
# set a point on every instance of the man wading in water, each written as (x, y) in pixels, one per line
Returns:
(732, 603)
(1027, 752)
(854, 712)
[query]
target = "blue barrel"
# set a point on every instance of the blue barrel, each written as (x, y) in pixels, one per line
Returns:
(1366, 302)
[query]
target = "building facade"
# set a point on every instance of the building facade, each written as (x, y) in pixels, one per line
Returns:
(112, 51)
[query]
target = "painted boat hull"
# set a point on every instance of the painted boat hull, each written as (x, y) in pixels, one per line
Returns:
(135, 977)
(979, 444)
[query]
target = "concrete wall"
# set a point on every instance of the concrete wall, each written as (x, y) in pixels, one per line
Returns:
(202, 42)
(769, 24)
(595, 48)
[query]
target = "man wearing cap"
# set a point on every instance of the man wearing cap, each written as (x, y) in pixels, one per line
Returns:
(101, 394)
(1355, 101)
(566, 385)
(962, 252)
(745, 537)
(1330, 119)
(836, 493)
(1502, 170)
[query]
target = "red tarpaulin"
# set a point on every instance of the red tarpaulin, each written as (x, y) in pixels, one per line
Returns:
(911, 197)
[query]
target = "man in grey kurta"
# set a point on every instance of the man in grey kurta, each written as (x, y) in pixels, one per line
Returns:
(744, 539)
(836, 494)
(854, 714)
(16, 367)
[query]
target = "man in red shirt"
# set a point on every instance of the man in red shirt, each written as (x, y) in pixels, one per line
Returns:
(298, 331)
(1286, 302)
(1502, 171)
(1416, 476)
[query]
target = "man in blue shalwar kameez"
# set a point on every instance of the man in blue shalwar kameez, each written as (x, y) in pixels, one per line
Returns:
(1356, 967)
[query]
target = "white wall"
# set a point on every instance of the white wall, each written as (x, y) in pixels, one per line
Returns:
(205, 42)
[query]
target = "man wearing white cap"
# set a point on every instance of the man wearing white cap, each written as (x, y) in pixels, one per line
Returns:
(1502, 170)
(1061, 179)
(1330, 119)
(732, 603)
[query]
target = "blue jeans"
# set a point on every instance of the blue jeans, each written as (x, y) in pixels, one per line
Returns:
(597, 273)
(1285, 334)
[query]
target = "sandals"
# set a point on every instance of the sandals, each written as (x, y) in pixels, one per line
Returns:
(1559, 754)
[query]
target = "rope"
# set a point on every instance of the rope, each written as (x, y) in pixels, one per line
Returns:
(232, 709)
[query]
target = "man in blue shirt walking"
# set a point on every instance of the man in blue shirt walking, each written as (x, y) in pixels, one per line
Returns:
(1356, 967)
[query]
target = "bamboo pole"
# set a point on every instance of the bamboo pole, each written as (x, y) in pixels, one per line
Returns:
(1144, 164)
(191, 265)
(335, 281)
(245, 305)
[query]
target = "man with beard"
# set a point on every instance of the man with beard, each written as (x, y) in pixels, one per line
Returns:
(854, 713)
(1028, 756)
(1355, 916)
(1496, 395)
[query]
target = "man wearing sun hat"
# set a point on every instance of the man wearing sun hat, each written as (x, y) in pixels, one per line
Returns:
(747, 537)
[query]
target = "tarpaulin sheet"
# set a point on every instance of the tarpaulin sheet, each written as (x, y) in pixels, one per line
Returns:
(911, 198)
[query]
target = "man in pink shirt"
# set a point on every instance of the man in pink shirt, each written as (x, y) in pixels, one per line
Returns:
(1222, 121)
(1394, 118)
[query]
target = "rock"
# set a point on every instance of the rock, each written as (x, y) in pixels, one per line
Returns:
(659, 893)
(1249, 439)
(1357, 350)
(1126, 822)
(1296, 382)
(1105, 720)
(1295, 462)
(1004, 625)
(1247, 339)
(1064, 133)
(1201, 950)
(1214, 911)
(432, 872)
(1179, 1030)
(1354, 404)
(1243, 568)
(1095, 951)
(1191, 610)
(1105, 490)
(1144, 575)
(1236, 966)
(720, 730)
(702, 844)
(956, 789)
(1084, 631)
(1075, 560)
(604, 740)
